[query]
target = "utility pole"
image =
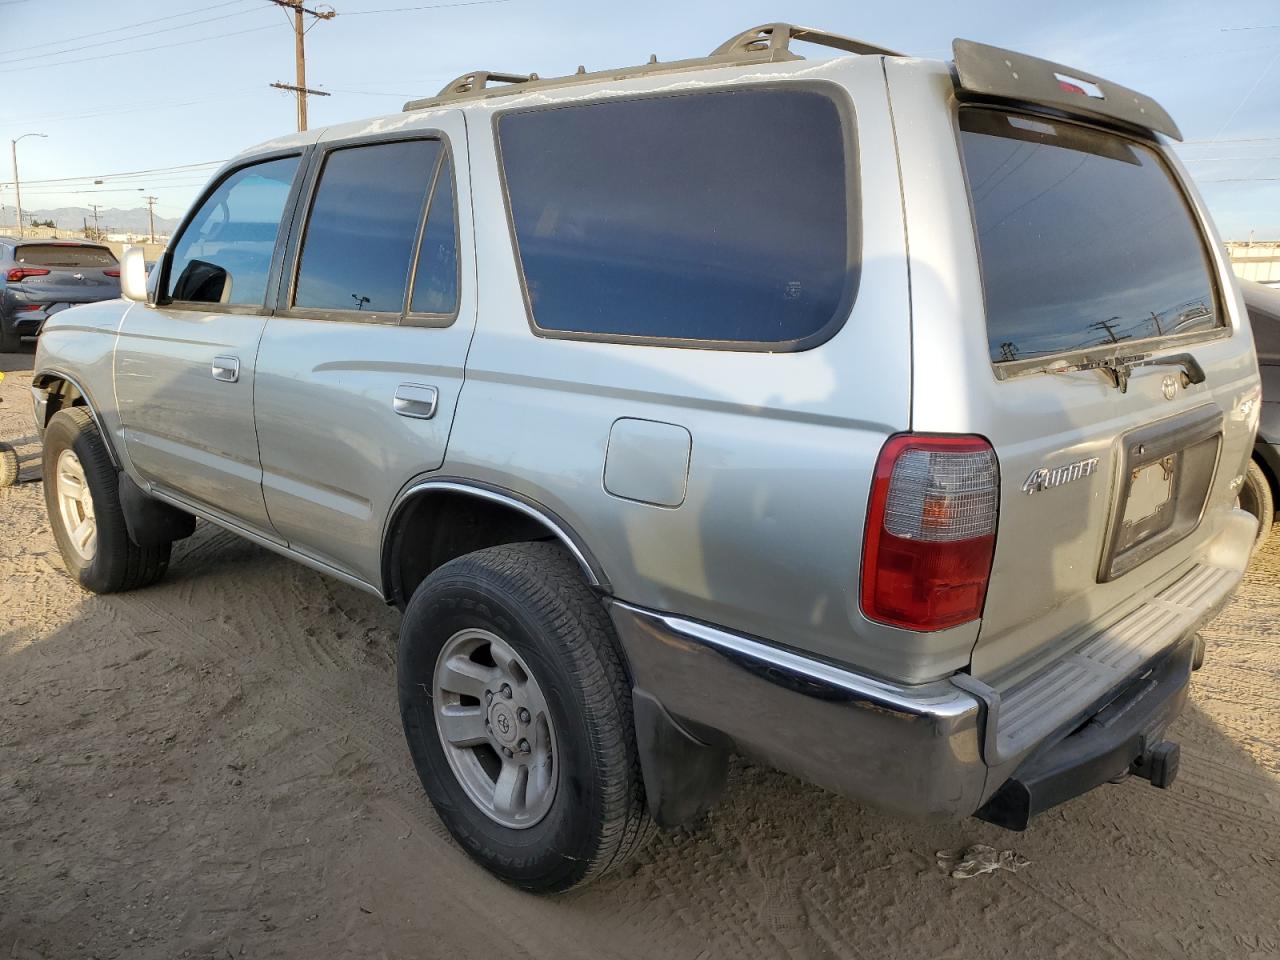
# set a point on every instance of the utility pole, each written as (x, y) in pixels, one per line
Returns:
(1108, 328)
(300, 54)
(94, 207)
(151, 216)
(17, 187)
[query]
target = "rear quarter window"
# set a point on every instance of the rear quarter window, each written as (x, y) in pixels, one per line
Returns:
(1085, 239)
(719, 218)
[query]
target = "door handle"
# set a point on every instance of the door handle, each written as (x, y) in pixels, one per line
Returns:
(226, 369)
(415, 400)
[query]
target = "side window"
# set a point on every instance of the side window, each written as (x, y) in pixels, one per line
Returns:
(716, 217)
(224, 255)
(358, 246)
(435, 281)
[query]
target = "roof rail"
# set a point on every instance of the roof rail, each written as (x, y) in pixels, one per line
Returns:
(775, 38)
(479, 80)
(768, 43)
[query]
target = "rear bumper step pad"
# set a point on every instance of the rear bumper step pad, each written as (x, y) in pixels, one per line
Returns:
(1125, 737)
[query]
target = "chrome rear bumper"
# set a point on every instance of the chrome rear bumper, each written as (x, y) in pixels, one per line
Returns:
(933, 751)
(909, 750)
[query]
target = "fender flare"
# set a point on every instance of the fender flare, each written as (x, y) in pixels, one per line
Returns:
(544, 515)
(49, 374)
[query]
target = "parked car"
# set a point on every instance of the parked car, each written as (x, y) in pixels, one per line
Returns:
(39, 278)
(1260, 490)
(880, 418)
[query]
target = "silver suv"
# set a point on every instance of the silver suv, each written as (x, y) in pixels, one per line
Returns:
(879, 418)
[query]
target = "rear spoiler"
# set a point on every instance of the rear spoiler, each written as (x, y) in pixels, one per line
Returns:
(984, 72)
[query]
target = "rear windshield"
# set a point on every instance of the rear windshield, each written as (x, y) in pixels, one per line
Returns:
(1085, 239)
(56, 255)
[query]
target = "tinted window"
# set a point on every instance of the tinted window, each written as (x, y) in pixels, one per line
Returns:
(57, 255)
(1084, 237)
(435, 283)
(224, 255)
(716, 216)
(364, 222)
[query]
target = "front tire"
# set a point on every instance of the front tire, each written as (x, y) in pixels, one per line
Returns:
(81, 494)
(1255, 496)
(9, 465)
(517, 710)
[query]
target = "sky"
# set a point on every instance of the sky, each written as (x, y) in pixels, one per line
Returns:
(171, 87)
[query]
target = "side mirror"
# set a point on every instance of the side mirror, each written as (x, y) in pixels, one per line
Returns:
(133, 274)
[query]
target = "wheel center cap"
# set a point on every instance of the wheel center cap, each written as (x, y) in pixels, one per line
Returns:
(502, 721)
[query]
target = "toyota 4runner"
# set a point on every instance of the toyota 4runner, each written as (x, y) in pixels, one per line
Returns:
(879, 418)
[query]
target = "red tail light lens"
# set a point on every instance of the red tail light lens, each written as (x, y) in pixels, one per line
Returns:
(931, 531)
(111, 273)
(18, 274)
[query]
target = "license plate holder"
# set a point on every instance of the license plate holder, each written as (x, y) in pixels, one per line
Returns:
(1167, 471)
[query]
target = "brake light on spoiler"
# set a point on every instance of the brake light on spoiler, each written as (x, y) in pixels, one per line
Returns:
(931, 531)
(989, 73)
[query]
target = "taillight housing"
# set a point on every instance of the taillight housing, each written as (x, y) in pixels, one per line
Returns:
(18, 274)
(931, 531)
(111, 273)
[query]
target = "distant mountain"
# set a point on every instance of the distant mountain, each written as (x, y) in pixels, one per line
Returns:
(113, 220)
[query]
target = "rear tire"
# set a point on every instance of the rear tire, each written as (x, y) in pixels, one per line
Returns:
(1256, 497)
(515, 631)
(81, 495)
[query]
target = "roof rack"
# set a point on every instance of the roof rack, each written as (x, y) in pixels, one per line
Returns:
(768, 43)
(775, 39)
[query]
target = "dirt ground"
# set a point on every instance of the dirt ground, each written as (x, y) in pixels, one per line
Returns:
(214, 767)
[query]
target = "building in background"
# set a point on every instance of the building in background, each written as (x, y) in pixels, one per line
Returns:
(1256, 260)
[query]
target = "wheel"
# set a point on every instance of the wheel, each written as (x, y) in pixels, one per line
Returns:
(1255, 496)
(8, 465)
(517, 709)
(82, 499)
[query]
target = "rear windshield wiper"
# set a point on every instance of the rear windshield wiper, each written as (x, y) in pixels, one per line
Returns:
(1118, 369)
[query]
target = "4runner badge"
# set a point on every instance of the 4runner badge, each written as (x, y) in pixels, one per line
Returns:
(1047, 479)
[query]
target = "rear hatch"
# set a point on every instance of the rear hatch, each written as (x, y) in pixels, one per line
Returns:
(1051, 261)
(49, 276)
(1117, 379)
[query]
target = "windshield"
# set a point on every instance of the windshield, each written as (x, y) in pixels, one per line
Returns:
(1085, 239)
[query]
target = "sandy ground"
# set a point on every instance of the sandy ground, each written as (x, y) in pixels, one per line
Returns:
(214, 767)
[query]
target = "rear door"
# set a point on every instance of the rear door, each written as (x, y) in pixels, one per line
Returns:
(184, 368)
(360, 367)
(1051, 248)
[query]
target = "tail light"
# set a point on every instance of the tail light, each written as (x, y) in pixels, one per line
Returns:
(111, 273)
(18, 274)
(931, 531)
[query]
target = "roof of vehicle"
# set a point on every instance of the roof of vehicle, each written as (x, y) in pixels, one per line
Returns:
(768, 43)
(980, 72)
(52, 242)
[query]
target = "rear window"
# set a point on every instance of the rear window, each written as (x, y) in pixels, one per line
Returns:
(712, 217)
(56, 255)
(1084, 237)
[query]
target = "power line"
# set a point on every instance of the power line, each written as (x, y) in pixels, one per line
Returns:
(140, 36)
(1230, 140)
(130, 173)
(140, 108)
(131, 26)
(430, 6)
(160, 46)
